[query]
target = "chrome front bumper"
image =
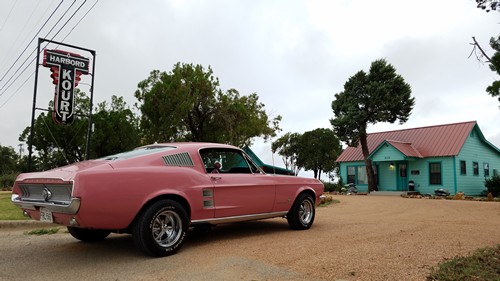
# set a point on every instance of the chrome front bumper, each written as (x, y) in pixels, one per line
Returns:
(70, 208)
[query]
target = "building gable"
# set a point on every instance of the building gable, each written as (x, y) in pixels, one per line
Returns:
(432, 141)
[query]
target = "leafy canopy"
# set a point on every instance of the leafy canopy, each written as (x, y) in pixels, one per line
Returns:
(494, 88)
(287, 146)
(380, 95)
(187, 104)
(318, 151)
(57, 145)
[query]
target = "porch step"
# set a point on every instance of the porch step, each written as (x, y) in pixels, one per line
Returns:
(386, 193)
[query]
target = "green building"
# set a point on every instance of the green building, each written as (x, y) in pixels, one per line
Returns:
(455, 157)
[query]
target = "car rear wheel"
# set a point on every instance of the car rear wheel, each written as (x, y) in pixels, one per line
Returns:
(301, 215)
(88, 235)
(161, 229)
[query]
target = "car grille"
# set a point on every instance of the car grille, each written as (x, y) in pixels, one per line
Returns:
(52, 193)
(179, 159)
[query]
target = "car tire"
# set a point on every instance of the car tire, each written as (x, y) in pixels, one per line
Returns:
(161, 229)
(88, 235)
(301, 215)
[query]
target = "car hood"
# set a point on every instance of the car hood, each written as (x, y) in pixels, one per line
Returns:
(66, 173)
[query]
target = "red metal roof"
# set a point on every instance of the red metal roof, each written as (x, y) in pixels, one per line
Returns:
(406, 148)
(432, 141)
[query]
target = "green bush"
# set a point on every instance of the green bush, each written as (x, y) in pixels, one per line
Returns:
(493, 185)
(333, 187)
(7, 181)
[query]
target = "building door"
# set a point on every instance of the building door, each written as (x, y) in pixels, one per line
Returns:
(402, 177)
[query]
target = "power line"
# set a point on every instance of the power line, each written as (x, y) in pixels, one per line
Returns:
(8, 53)
(8, 16)
(28, 57)
(31, 75)
(30, 42)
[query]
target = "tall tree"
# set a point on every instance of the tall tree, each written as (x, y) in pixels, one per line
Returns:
(187, 104)
(8, 160)
(381, 95)
(494, 62)
(287, 146)
(494, 88)
(318, 150)
(57, 145)
(488, 5)
(116, 128)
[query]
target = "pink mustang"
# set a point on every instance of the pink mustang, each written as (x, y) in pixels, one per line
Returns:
(157, 192)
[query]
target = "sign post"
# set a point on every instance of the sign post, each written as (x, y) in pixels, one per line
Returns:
(66, 68)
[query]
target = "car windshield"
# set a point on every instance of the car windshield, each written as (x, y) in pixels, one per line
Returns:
(138, 152)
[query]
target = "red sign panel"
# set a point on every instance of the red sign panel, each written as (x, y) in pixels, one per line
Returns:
(66, 69)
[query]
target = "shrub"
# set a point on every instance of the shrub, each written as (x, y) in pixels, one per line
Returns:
(333, 187)
(493, 185)
(7, 181)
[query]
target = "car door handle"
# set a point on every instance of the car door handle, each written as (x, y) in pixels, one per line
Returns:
(215, 178)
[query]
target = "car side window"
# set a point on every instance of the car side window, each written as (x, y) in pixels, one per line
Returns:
(229, 161)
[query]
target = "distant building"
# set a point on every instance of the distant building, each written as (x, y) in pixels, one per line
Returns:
(455, 157)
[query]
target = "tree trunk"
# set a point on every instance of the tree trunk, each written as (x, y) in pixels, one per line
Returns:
(372, 182)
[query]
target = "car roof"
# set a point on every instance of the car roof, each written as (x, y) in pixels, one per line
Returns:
(193, 145)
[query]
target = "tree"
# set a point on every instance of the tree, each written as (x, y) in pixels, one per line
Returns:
(494, 62)
(187, 104)
(287, 146)
(8, 160)
(57, 145)
(380, 95)
(318, 150)
(494, 88)
(116, 128)
(488, 5)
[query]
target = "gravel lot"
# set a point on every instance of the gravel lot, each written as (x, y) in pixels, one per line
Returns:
(360, 238)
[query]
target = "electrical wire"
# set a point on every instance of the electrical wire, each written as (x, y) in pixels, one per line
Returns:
(53, 12)
(27, 58)
(8, 53)
(31, 75)
(8, 16)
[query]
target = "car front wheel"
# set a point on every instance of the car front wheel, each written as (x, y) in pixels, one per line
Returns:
(88, 235)
(161, 229)
(301, 215)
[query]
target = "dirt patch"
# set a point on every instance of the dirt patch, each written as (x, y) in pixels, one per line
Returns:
(360, 238)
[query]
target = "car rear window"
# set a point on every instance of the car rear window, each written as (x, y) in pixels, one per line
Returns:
(138, 152)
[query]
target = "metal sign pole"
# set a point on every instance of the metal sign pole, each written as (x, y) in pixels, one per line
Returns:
(89, 132)
(30, 142)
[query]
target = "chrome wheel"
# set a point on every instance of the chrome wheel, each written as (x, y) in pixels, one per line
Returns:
(301, 214)
(161, 228)
(306, 211)
(167, 228)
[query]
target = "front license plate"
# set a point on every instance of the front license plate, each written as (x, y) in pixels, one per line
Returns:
(46, 216)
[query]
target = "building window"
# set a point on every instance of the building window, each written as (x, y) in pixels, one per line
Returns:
(463, 168)
(475, 168)
(362, 176)
(358, 174)
(486, 167)
(495, 172)
(351, 174)
(435, 173)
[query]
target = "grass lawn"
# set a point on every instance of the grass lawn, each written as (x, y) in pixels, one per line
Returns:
(483, 265)
(9, 211)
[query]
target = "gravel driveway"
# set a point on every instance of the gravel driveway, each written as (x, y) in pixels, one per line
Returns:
(360, 238)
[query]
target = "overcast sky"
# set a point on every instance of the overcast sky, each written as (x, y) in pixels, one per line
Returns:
(294, 54)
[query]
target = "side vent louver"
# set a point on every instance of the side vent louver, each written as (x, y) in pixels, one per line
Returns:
(180, 159)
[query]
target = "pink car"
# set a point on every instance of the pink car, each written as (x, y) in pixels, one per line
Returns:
(157, 192)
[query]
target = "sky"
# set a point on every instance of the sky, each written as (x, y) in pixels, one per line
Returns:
(296, 55)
